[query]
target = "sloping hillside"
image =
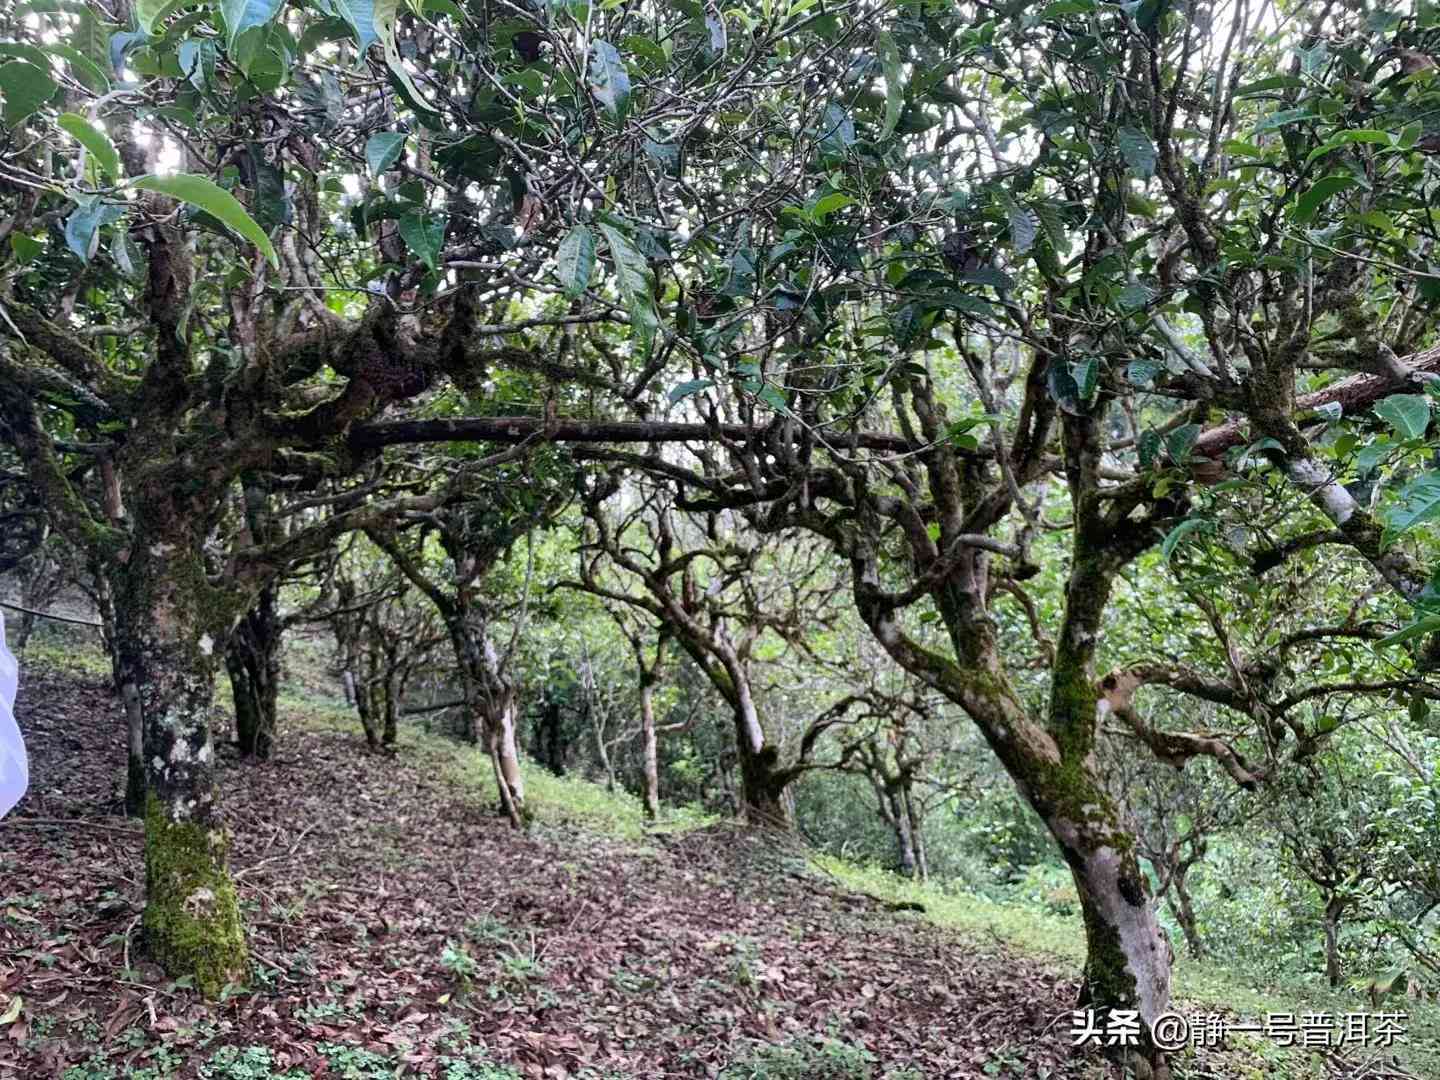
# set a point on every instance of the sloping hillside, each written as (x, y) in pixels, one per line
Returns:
(399, 927)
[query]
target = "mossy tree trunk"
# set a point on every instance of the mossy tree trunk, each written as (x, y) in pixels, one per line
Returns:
(253, 662)
(166, 623)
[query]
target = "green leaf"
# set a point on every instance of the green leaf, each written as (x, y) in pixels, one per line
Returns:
(632, 278)
(1086, 374)
(685, 389)
(836, 200)
(214, 200)
(242, 15)
(1318, 193)
(1419, 709)
(383, 149)
(894, 81)
(1265, 86)
(383, 25)
(1134, 297)
(1285, 117)
(94, 140)
(86, 70)
(1023, 227)
(1138, 151)
(1418, 502)
(609, 80)
(26, 87)
(26, 248)
(1407, 414)
(773, 396)
(1178, 534)
(837, 130)
(149, 12)
(1180, 442)
(360, 14)
(575, 261)
(1428, 625)
(1064, 389)
(1345, 138)
(1142, 372)
(424, 235)
(82, 227)
(1148, 448)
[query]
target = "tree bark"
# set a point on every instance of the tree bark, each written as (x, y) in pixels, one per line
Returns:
(1334, 911)
(548, 736)
(165, 621)
(391, 730)
(253, 661)
(650, 744)
(1183, 909)
(762, 780)
(493, 703)
(903, 836)
(135, 749)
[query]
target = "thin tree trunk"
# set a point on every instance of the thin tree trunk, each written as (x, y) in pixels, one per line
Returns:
(548, 736)
(135, 749)
(1334, 910)
(369, 722)
(917, 832)
(1183, 909)
(493, 705)
(651, 747)
(253, 661)
(903, 836)
(392, 711)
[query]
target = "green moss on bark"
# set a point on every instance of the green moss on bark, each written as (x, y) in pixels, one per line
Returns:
(192, 918)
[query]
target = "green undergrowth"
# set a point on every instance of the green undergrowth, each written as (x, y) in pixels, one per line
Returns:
(1199, 987)
(67, 651)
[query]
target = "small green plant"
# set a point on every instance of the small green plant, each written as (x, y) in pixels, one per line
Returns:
(829, 1059)
(245, 1063)
(453, 1068)
(518, 967)
(457, 960)
(744, 963)
(95, 1067)
(488, 930)
(356, 1063)
(1003, 1061)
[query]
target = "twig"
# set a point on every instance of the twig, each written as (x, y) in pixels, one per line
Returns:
(52, 823)
(47, 615)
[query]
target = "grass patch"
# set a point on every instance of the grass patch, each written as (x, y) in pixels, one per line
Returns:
(552, 800)
(69, 653)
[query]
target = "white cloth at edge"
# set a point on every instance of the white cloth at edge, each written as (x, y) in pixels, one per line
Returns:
(14, 770)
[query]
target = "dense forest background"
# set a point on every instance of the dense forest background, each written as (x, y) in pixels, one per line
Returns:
(993, 443)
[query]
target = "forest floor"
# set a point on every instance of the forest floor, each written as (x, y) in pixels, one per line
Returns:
(398, 927)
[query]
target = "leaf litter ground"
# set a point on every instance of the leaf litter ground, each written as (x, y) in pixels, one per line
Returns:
(399, 927)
